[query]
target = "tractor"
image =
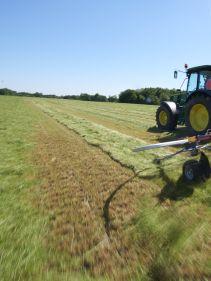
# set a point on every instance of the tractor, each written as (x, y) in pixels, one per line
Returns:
(191, 107)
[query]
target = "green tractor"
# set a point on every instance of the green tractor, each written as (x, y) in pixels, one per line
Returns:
(192, 107)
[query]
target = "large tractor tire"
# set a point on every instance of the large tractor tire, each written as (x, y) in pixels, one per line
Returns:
(166, 117)
(198, 114)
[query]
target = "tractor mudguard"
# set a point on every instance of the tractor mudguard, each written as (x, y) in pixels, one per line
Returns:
(170, 105)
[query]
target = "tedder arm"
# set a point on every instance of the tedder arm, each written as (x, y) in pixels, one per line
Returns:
(191, 168)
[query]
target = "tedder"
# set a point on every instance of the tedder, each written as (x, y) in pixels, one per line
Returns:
(192, 169)
(191, 107)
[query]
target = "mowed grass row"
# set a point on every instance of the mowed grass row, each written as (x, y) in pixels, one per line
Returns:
(23, 227)
(170, 233)
(126, 119)
(21, 230)
(25, 250)
(117, 144)
(173, 236)
(88, 222)
(26, 253)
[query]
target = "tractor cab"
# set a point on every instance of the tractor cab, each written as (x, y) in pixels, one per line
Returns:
(191, 107)
(199, 79)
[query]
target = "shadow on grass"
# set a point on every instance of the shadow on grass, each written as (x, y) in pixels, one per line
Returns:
(154, 129)
(171, 190)
(174, 190)
(106, 206)
(180, 132)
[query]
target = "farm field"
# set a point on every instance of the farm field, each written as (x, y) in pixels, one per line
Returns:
(77, 204)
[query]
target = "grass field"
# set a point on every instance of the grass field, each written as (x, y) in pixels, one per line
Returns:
(77, 204)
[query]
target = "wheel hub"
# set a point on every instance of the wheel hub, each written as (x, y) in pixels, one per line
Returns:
(163, 118)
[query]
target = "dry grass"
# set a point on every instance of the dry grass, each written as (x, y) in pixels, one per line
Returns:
(98, 220)
(117, 145)
(124, 118)
(150, 245)
(87, 218)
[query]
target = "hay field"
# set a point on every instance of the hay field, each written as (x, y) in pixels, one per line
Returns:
(77, 204)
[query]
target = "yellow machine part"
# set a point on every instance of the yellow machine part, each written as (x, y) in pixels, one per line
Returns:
(199, 117)
(163, 118)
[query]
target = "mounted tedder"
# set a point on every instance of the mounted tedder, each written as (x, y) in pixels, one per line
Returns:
(192, 169)
(192, 107)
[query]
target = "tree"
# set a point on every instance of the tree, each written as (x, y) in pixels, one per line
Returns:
(140, 98)
(112, 99)
(85, 97)
(128, 96)
(7, 92)
(98, 97)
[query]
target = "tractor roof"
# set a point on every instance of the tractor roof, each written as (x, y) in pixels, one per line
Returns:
(199, 68)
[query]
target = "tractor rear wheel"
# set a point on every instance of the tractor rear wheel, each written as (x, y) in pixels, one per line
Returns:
(198, 114)
(165, 118)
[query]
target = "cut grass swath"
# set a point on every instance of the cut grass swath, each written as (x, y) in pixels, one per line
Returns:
(173, 188)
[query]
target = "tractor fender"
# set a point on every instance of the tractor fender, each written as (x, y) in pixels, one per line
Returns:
(170, 105)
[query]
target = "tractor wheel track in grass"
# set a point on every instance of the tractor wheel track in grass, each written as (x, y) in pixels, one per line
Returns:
(87, 216)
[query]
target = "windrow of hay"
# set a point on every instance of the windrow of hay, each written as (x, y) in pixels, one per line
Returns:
(127, 120)
(96, 220)
(90, 200)
(119, 146)
(159, 237)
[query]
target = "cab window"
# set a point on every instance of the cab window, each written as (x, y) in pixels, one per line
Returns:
(192, 84)
(204, 80)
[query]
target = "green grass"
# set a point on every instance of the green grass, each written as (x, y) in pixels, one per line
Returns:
(172, 229)
(114, 115)
(118, 145)
(23, 229)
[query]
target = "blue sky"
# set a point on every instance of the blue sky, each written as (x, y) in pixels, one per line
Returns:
(100, 46)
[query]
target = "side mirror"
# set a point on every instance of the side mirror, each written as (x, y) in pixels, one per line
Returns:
(175, 74)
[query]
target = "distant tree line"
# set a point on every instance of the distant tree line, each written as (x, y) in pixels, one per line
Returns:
(8, 92)
(146, 95)
(140, 96)
(87, 97)
(83, 96)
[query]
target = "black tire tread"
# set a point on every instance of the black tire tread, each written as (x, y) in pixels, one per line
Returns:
(172, 123)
